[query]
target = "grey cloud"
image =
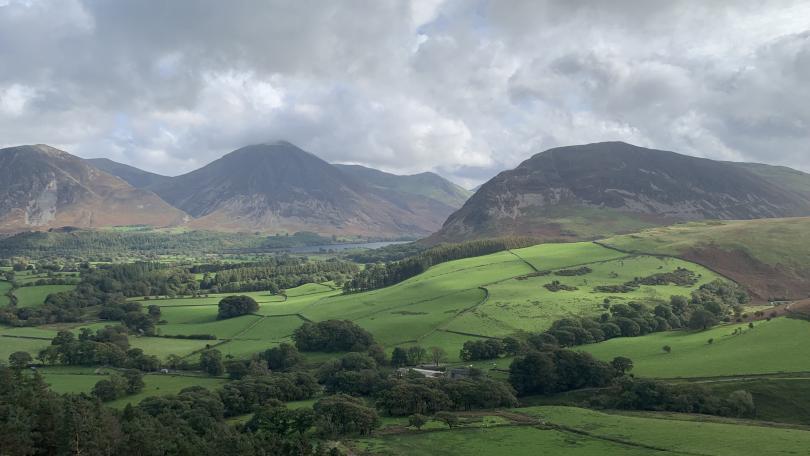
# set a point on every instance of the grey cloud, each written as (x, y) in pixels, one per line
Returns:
(463, 88)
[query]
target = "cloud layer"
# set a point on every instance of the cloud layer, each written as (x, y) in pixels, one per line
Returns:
(466, 88)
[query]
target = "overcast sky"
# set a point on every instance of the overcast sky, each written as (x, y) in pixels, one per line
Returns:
(465, 88)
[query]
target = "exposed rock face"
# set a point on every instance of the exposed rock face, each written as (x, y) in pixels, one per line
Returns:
(43, 187)
(603, 188)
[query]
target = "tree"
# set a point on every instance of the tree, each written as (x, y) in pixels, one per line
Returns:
(416, 354)
(340, 415)
(134, 379)
(741, 404)
(702, 320)
(450, 419)
(20, 359)
(283, 357)
(533, 373)
(332, 336)
(399, 357)
(211, 362)
(622, 364)
(234, 306)
(667, 349)
(154, 311)
(416, 420)
(105, 391)
(437, 354)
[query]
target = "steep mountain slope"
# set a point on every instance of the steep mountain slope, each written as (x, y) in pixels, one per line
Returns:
(135, 177)
(787, 178)
(428, 185)
(599, 189)
(278, 187)
(43, 187)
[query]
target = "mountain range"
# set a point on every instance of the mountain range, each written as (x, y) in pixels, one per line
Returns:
(567, 193)
(593, 190)
(43, 187)
(268, 188)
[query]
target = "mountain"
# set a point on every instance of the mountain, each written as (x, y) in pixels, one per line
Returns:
(278, 187)
(428, 185)
(594, 190)
(137, 178)
(42, 187)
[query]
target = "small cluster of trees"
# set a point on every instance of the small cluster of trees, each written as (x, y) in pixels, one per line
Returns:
(642, 394)
(559, 370)
(332, 336)
(190, 422)
(383, 275)
(105, 347)
(276, 274)
(129, 381)
(416, 354)
(235, 306)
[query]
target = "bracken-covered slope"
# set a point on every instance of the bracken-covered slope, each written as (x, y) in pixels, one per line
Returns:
(42, 187)
(135, 177)
(594, 190)
(280, 188)
(771, 257)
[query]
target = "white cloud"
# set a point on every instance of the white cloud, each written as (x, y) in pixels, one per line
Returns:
(465, 88)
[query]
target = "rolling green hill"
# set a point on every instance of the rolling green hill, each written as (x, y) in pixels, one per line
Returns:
(770, 257)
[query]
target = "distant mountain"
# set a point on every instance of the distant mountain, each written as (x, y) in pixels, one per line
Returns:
(136, 177)
(594, 190)
(43, 187)
(278, 187)
(428, 185)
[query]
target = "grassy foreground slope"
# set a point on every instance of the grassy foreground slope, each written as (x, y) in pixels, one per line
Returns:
(576, 431)
(488, 296)
(772, 346)
(498, 294)
(771, 256)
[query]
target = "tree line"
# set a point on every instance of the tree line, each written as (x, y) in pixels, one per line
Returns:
(382, 275)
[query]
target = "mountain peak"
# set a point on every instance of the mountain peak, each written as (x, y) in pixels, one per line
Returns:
(593, 190)
(43, 187)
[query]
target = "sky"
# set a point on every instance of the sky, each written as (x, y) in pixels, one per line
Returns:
(463, 88)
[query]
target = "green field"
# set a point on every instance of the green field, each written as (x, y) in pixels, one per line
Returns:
(5, 287)
(451, 303)
(771, 257)
(772, 346)
(35, 295)
(575, 431)
(82, 380)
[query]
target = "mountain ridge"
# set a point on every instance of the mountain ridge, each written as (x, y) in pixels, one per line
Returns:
(593, 190)
(44, 187)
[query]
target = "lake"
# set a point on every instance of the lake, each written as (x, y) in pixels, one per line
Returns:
(340, 247)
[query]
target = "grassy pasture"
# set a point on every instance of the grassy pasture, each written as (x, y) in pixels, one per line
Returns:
(35, 296)
(447, 305)
(202, 320)
(527, 305)
(210, 300)
(575, 431)
(81, 380)
(772, 346)
(163, 347)
(9, 345)
(687, 436)
(5, 287)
